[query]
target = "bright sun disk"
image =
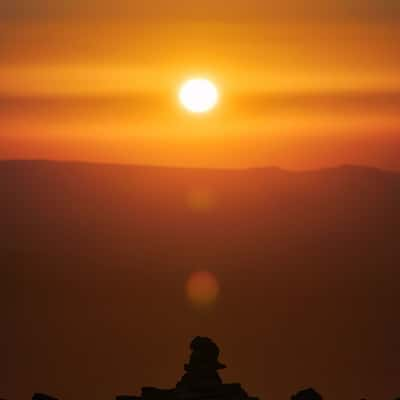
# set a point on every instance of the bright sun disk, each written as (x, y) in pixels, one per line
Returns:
(198, 95)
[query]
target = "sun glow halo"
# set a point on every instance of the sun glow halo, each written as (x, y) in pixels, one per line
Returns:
(198, 95)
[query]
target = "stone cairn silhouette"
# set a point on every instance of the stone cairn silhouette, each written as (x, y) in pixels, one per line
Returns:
(307, 394)
(200, 381)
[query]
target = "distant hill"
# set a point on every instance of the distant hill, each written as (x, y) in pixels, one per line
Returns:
(94, 260)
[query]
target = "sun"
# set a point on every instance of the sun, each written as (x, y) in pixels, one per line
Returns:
(198, 95)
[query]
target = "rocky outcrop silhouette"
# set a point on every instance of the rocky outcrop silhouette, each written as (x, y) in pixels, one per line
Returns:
(41, 396)
(307, 394)
(200, 381)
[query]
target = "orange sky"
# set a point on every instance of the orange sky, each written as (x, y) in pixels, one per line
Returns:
(304, 84)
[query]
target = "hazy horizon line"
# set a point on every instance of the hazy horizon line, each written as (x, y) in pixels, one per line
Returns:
(212, 168)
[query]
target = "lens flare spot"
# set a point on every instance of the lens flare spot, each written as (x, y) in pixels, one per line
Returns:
(202, 288)
(201, 200)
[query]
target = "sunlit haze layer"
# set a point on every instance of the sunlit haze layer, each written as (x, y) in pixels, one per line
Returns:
(302, 84)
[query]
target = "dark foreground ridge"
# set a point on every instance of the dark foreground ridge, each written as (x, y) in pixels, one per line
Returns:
(201, 381)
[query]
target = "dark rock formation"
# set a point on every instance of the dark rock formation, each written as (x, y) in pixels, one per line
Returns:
(127, 398)
(201, 380)
(307, 394)
(201, 372)
(41, 396)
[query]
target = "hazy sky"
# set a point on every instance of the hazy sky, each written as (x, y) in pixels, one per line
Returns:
(303, 83)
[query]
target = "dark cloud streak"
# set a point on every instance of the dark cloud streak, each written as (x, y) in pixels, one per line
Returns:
(367, 10)
(153, 104)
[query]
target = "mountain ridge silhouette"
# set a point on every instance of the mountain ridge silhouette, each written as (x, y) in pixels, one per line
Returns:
(266, 168)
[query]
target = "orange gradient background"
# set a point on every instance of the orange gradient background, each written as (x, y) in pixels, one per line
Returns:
(304, 84)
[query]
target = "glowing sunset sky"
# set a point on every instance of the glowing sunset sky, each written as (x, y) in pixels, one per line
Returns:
(303, 84)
